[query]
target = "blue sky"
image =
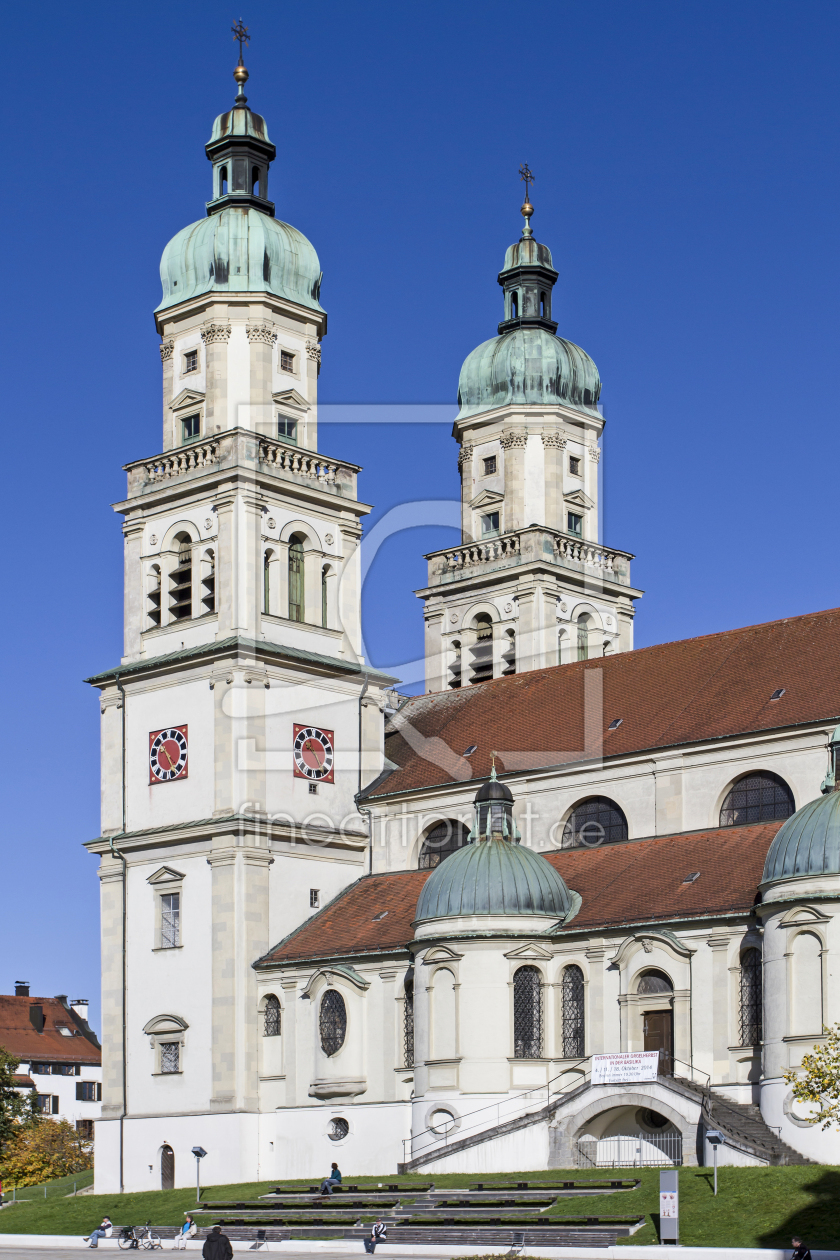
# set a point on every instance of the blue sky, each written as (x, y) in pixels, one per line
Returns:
(687, 184)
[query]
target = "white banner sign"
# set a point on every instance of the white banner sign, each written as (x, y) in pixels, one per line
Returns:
(608, 1069)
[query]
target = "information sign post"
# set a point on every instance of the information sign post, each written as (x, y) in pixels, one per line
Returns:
(669, 1205)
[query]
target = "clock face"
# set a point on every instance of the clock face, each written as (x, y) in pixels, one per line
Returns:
(313, 753)
(168, 754)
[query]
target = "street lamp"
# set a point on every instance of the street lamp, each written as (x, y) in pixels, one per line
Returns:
(199, 1153)
(716, 1138)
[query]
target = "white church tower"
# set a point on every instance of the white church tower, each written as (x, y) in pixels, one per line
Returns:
(241, 721)
(531, 584)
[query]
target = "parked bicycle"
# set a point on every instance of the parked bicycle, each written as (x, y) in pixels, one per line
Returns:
(133, 1238)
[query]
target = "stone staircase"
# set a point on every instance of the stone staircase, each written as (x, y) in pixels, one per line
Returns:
(741, 1124)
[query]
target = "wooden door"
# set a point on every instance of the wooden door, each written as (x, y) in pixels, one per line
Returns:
(659, 1035)
(167, 1168)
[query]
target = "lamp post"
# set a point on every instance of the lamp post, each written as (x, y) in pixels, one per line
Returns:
(199, 1153)
(716, 1138)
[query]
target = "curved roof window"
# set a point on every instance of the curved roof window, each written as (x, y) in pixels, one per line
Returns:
(594, 822)
(442, 841)
(758, 797)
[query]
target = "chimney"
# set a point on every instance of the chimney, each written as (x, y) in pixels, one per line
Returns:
(80, 1007)
(21, 988)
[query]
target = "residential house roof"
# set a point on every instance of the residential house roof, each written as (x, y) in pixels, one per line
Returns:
(43, 1029)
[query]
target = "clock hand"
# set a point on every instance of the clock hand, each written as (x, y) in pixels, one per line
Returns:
(166, 755)
(308, 746)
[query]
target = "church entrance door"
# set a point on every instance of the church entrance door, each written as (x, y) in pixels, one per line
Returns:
(167, 1168)
(659, 1035)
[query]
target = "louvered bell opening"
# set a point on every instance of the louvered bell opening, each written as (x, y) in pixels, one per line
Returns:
(495, 818)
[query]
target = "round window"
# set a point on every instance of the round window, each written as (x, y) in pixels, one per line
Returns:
(441, 1121)
(338, 1129)
(653, 1119)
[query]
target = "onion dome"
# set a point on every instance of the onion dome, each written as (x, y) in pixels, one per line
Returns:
(240, 247)
(527, 363)
(808, 843)
(494, 876)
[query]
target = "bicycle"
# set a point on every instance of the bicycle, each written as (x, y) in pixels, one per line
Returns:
(132, 1238)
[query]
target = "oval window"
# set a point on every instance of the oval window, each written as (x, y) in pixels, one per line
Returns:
(333, 1022)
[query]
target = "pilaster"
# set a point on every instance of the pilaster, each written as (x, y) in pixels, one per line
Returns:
(514, 441)
(719, 945)
(216, 337)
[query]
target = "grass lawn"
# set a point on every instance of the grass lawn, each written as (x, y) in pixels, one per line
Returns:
(755, 1207)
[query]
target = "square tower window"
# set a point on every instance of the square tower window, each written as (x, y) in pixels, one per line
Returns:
(490, 525)
(314, 898)
(574, 465)
(287, 361)
(287, 429)
(575, 524)
(190, 361)
(489, 466)
(190, 428)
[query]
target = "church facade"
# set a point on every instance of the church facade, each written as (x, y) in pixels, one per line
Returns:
(342, 923)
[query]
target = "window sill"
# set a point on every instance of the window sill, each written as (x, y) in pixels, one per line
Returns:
(153, 632)
(814, 1036)
(178, 1073)
(165, 949)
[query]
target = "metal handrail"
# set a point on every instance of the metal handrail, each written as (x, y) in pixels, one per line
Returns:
(437, 1137)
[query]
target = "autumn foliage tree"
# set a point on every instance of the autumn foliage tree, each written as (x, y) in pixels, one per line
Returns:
(817, 1081)
(16, 1109)
(43, 1150)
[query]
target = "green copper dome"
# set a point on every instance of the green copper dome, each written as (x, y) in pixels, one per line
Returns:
(240, 250)
(808, 843)
(528, 365)
(494, 877)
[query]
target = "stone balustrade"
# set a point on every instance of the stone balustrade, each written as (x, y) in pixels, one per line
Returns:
(237, 447)
(526, 546)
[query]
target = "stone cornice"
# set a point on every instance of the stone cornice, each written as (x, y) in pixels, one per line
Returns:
(252, 827)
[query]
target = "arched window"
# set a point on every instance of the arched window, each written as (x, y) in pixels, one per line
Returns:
(455, 665)
(509, 654)
(255, 180)
(527, 1013)
(271, 1017)
(180, 581)
(806, 985)
(482, 652)
(543, 308)
(208, 581)
(408, 1020)
(223, 181)
(751, 1021)
(514, 306)
(442, 841)
(325, 573)
(153, 598)
(296, 584)
(758, 797)
(333, 1022)
(653, 981)
(593, 822)
(266, 582)
(583, 637)
(444, 1020)
(574, 1032)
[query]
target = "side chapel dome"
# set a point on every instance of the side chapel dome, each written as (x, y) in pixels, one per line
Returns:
(528, 363)
(240, 247)
(494, 875)
(808, 843)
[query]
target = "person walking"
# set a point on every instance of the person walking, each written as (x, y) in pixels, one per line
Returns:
(800, 1251)
(105, 1230)
(377, 1235)
(334, 1179)
(188, 1230)
(217, 1245)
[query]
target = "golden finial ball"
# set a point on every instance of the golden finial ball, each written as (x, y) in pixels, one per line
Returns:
(527, 210)
(240, 74)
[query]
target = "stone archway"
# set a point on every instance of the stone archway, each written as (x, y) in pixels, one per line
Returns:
(681, 1110)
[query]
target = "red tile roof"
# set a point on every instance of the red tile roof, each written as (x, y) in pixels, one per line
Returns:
(638, 881)
(675, 693)
(21, 1038)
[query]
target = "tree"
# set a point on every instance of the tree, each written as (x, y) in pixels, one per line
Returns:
(43, 1150)
(15, 1108)
(820, 1084)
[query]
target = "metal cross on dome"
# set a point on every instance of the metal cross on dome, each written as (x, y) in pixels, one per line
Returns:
(240, 32)
(526, 174)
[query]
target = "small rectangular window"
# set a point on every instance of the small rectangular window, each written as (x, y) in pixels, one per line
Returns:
(490, 524)
(574, 465)
(313, 789)
(190, 428)
(489, 465)
(170, 920)
(287, 429)
(287, 361)
(48, 1104)
(86, 1091)
(191, 361)
(314, 898)
(575, 525)
(39, 1069)
(170, 1056)
(84, 1128)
